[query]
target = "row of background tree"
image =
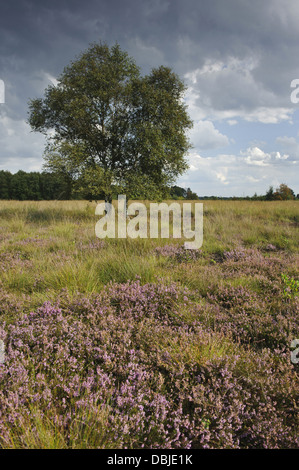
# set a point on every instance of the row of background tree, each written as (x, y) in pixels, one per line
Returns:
(37, 186)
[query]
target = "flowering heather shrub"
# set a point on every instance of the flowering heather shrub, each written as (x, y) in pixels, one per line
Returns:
(14, 260)
(178, 252)
(252, 262)
(91, 245)
(254, 319)
(63, 364)
(160, 381)
(234, 255)
(10, 305)
(41, 242)
(248, 410)
(168, 250)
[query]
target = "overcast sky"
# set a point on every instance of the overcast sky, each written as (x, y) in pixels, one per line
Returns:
(237, 58)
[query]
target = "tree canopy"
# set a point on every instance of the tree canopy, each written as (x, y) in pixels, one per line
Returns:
(282, 193)
(111, 130)
(33, 186)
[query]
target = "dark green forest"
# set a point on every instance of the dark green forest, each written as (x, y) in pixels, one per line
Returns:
(33, 186)
(38, 186)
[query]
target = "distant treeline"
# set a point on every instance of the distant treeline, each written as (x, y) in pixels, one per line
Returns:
(38, 186)
(282, 193)
(33, 186)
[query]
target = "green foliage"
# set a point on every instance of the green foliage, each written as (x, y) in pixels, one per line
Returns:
(176, 192)
(95, 183)
(282, 193)
(112, 126)
(5, 181)
(33, 186)
(291, 286)
(269, 194)
(191, 195)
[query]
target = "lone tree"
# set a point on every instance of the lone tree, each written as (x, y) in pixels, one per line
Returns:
(283, 193)
(110, 130)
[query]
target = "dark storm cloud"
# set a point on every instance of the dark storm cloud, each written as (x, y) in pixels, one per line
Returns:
(51, 33)
(237, 58)
(42, 37)
(38, 37)
(243, 54)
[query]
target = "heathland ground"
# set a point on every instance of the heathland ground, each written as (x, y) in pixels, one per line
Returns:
(140, 343)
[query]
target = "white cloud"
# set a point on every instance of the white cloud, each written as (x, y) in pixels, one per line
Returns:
(222, 175)
(204, 136)
(50, 78)
(256, 156)
(229, 90)
(251, 171)
(20, 148)
(289, 145)
(270, 115)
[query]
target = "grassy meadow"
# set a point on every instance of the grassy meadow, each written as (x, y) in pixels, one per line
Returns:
(142, 344)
